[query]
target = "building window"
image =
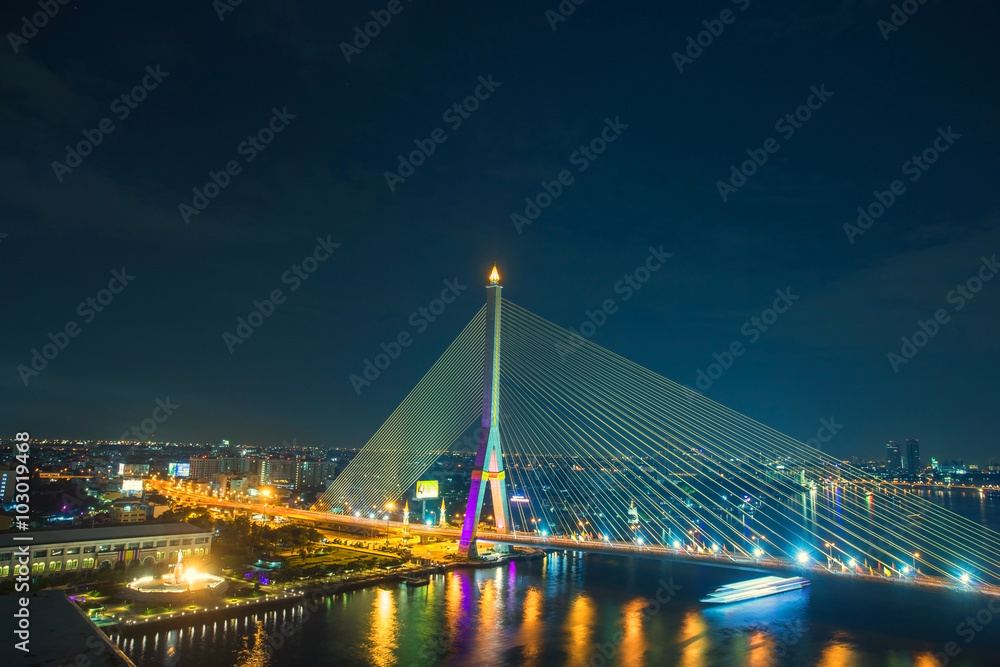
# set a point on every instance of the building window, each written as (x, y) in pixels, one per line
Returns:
(40, 554)
(104, 548)
(89, 550)
(72, 550)
(55, 565)
(174, 543)
(161, 543)
(4, 570)
(172, 555)
(133, 545)
(6, 556)
(199, 552)
(147, 545)
(200, 540)
(37, 568)
(88, 563)
(55, 552)
(160, 555)
(187, 540)
(72, 563)
(119, 547)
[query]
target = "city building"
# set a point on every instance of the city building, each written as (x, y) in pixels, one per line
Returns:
(310, 474)
(913, 466)
(98, 548)
(128, 510)
(893, 458)
(203, 467)
(7, 484)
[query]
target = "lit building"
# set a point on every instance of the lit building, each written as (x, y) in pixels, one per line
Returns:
(7, 484)
(913, 456)
(100, 548)
(203, 467)
(893, 457)
(314, 473)
(128, 510)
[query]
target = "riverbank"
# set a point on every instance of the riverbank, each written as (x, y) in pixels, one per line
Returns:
(127, 623)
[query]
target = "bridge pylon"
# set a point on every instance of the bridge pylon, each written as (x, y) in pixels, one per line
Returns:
(489, 457)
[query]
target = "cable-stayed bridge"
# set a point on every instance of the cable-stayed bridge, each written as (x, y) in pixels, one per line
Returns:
(580, 446)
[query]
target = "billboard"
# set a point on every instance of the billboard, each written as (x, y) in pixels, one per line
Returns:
(132, 485)
(427, 490)
(179, 469)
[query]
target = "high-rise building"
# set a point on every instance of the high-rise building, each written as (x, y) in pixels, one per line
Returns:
(203, 467)
(913, 456)
(893, 459)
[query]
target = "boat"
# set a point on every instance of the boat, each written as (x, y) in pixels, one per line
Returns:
(754, 588)
(415, 581)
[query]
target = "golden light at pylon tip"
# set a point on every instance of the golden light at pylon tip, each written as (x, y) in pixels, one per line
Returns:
(494, 276)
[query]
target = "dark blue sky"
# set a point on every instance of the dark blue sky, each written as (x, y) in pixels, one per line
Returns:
(323, 175)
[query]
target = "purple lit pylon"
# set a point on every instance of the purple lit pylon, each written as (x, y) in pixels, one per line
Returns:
(489, 456)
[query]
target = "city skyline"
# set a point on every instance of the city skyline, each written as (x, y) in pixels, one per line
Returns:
(241, 240)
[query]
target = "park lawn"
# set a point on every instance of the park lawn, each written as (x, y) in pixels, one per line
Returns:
(334, 556)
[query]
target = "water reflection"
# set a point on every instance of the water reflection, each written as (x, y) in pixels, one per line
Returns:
(531, 627)
(838, 653)
(694, 644)
(254, 651)
(382, 639)
(580, 629)
(632, 651)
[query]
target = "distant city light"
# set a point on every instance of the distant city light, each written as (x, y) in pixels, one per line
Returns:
(677, 545)
(803, 557)
(758, 552)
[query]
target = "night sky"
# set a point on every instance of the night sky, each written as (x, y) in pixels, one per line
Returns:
(210, 85)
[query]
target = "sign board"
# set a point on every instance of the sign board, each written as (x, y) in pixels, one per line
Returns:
(132, 485)
(427, 490)
(179, 469)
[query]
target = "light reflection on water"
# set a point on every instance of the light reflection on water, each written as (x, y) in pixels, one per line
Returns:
(382, 639)
(579, 612)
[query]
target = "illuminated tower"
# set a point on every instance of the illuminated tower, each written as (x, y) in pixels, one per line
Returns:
(443, 521)
(489, 456)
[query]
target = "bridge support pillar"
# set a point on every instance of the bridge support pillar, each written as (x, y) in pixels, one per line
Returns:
(489, 457)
